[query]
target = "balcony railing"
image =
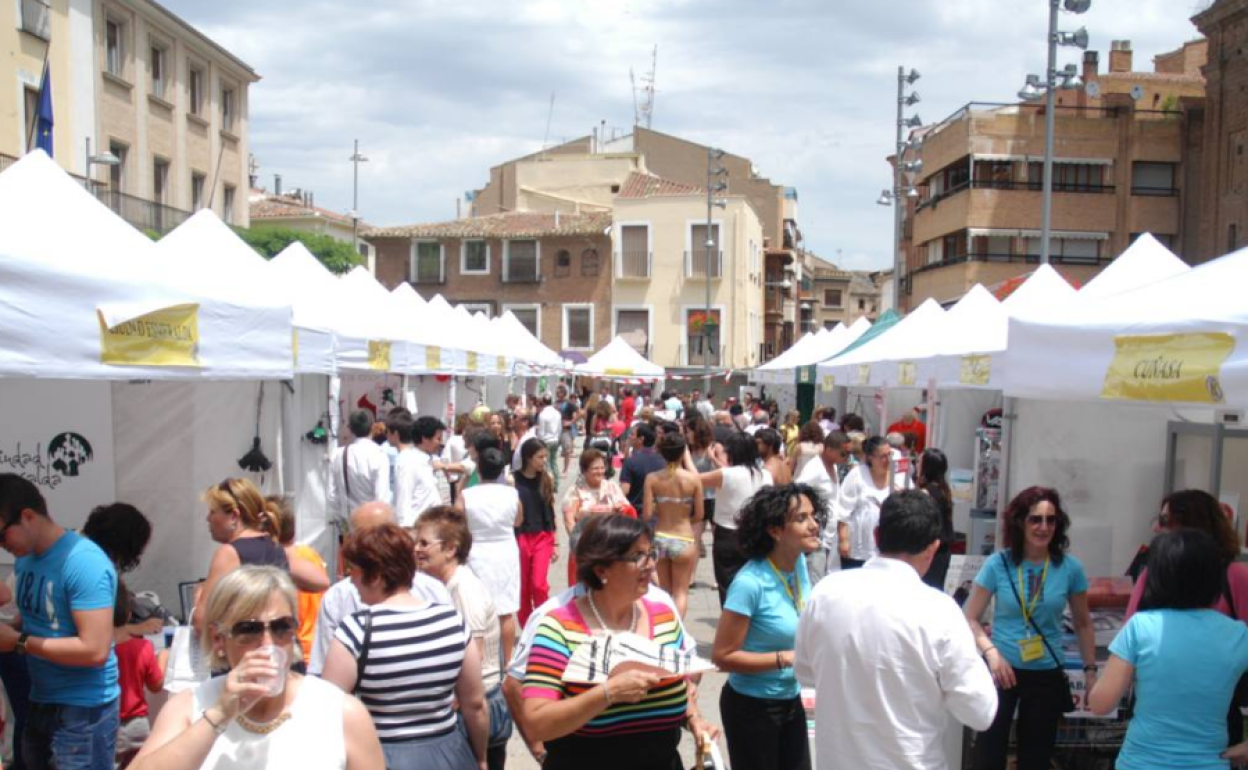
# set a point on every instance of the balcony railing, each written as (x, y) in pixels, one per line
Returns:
(1009, 184)
(1156, 192)
(696, 264)
(521, 271)
(1032, 259)
(635, 264)
(692, 355)
(428, 274)
(143, 214)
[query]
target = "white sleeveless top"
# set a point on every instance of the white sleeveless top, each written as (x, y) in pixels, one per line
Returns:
(491, 511)
(739, 485)
(312, 739)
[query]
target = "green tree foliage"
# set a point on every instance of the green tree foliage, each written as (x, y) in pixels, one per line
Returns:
(337, 256)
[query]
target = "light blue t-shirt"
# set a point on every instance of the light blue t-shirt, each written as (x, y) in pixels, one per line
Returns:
(1186, 665)
(1008, 627)
(74, 574)
(759, 594)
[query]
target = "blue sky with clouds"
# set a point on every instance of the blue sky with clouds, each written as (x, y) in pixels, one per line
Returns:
(437, 91)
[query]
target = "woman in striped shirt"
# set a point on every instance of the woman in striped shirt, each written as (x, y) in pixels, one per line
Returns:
(409, 661)
(632, 720)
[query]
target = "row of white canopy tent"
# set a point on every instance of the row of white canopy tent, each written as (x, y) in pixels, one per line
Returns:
(83, 295)
(813, 348)
(619, 360)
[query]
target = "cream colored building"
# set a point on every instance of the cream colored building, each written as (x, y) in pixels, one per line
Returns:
(659, 261)
(297, 211)
(136, 80)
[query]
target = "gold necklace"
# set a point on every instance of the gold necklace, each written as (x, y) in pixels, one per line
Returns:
(262, 728)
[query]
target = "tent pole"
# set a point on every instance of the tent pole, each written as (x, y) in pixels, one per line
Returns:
(1009, 414)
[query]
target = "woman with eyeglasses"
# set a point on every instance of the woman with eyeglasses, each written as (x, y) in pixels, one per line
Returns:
(1199, 510)
(761, 703)
(1033, 581)
(258, 714)
(632, 720)
(249, 530)
(1181, 698)
(409, 660)
(858, 503)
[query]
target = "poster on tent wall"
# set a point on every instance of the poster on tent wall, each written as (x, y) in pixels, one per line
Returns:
(59, 434)
(376, 394)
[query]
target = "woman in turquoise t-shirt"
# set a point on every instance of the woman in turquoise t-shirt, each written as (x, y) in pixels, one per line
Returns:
(1033, 582)
(1183, 657)
(761, 705)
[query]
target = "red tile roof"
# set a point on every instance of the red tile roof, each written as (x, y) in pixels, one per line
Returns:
(514, 224)
(282, 207)
(649, 186)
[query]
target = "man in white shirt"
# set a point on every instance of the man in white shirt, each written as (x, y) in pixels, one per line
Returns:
(890, 657)
(521, 420)
(823, 473)
(342, 600)
(416, 484)
(358, 472)
(549, 426)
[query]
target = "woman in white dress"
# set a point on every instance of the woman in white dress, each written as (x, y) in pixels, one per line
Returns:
(858, 504)
(493, 511)
(235, 721)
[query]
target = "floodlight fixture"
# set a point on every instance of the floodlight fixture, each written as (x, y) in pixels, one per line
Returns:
(912, 193)
(913, 166)
(912, 99)
(913, 122)
(1077, 6)
(885, 199)
(913, 76)
(1078, 38)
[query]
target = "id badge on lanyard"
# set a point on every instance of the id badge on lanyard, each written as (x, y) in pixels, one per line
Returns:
(1031, 648)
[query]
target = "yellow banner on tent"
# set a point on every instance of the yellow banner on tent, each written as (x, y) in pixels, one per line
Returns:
(829, 382)
(472, 361)
(1169, 367)
(501, 365)
(975, 370)
(864, 374)
(433, 357)
(294, 346)
(379, 355)
(907, 373)
(165, 337)
(618, 372)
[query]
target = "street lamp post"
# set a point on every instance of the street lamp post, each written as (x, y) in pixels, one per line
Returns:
(714, 172)
(356, 159)
(898, 195)
(101, 159)
(1069, 78)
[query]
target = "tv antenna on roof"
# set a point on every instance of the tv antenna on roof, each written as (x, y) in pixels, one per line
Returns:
(643, 108)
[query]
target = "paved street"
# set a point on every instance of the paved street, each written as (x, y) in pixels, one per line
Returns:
(701, 620)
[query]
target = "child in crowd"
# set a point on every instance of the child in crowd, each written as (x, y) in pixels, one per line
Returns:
(138, 667)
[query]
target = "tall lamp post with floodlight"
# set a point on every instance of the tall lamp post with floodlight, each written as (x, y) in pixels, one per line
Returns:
(356, 159)
(897, 196)
(715, 183)
(100, 159)
(1034, 90)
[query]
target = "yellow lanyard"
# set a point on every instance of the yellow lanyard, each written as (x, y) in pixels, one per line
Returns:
(797, 600)
(1029, 610)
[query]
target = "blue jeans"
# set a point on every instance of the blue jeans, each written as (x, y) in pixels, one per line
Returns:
(70, 737)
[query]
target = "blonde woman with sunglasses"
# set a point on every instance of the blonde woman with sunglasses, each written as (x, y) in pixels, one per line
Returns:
(259, 714)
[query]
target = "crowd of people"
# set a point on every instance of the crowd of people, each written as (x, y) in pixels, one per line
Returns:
(829, 550)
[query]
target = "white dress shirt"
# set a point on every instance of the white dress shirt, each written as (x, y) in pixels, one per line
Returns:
(342, 600)
(368, 476)
(890, 658)
(814, 473)
(415, 486)
(858, 505)
(549, 425)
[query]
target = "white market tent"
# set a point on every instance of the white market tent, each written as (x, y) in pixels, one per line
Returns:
(619, 360)
(897, 343)
(1145, 261)
(528, 348)
(780, 369)
(318, 311)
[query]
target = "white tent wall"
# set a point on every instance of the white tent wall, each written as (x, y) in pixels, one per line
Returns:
(432, 396)
(173, 440)
(958, 415)
(469, 391)
(304, 464)
(1108, 463)
(1193, 461)
(35, 414)
(496, 392)
(784, 395)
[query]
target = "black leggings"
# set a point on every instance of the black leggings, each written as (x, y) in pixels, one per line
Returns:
(764, 733)
(726, 559)
(1039, 696)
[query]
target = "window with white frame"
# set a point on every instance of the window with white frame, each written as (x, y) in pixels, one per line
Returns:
(528, 315)
(227, 108)
(115, 47)
(634, 326)
(702, 339)
(699, 252)
(36, 18)
(427, 265)
(158, 67)
(521, 262)
(227, 204)
(195, 89)
(578, 327)
(197, 190)
(634, 251)
(474, 258)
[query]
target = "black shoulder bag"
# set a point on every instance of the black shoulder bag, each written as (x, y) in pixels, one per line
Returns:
(362, 659)
(1068, 704)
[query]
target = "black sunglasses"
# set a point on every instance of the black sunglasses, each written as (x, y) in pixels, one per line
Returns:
(251, 631)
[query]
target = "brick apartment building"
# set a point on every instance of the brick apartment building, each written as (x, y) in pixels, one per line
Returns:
(551, 270)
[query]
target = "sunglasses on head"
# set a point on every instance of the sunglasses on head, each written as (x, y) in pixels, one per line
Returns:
(251, 631)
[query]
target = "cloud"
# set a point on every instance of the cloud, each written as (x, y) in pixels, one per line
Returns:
(437, 92)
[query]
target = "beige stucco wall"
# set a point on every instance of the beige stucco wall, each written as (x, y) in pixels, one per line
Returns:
(22, 68)
(668, 293)
(571, 183)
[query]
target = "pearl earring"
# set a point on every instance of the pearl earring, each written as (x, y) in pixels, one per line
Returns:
(604, 582)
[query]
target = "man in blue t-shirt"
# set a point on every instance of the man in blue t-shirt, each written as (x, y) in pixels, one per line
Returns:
(65, 592)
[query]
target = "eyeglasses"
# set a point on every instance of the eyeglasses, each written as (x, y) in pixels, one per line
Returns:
(252, 631)
(640, 558)
(427, 543)
(1036, 521)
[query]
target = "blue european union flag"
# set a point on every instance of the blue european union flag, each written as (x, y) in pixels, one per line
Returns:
(43, 118)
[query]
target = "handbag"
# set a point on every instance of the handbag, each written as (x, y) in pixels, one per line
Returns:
(1068, 704)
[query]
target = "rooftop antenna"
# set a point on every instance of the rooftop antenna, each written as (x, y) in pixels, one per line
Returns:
(549, 115)
(643, 108)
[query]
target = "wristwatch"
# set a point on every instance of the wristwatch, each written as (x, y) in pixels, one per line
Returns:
(20, 647)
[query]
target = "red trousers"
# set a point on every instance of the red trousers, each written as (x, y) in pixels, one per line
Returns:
(536, 549)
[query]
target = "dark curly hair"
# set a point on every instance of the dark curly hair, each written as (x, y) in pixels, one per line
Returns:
(771, 507)
(121, 531)
(1016, 522)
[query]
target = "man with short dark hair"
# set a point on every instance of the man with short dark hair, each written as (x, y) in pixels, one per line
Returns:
(416, 485)
(358, 472)
(823, 473)
(65, 594)
(641, 462)
(896, 654)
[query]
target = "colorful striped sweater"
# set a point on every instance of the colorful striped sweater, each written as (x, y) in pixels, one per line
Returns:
(558, 636)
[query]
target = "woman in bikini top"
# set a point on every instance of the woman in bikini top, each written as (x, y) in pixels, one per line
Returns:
(672, 503)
